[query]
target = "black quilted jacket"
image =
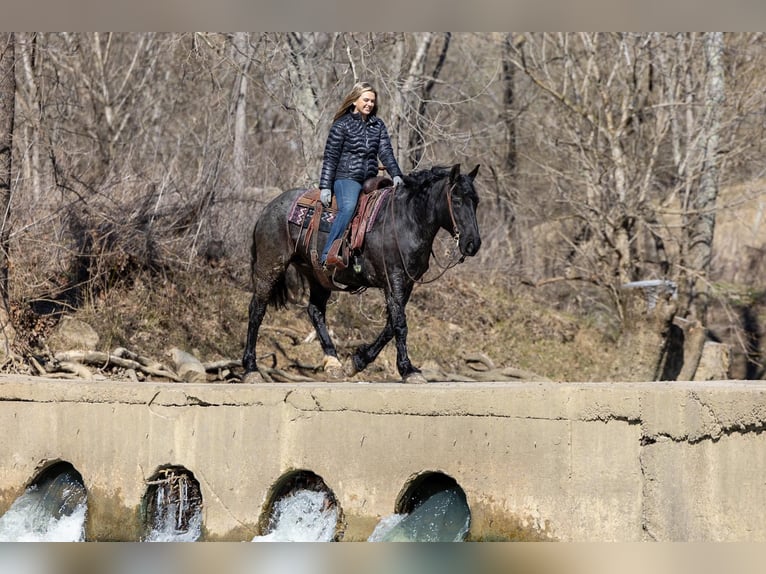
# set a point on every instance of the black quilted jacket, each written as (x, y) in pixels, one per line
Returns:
(353, 148)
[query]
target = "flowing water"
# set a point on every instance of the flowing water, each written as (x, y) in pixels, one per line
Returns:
(55, 511)
(443, 517)
(52, 511)
(175, 508)
(302, 516)
(308, 516)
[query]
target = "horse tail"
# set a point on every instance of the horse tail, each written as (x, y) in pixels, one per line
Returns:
(280, 293)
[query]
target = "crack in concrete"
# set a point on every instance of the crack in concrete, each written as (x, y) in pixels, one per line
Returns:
(711, 429)
(197, 402)
(603, 418)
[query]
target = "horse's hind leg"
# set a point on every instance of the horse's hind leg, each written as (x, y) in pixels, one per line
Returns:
(266, 286)
(317, 307)
(257, 310)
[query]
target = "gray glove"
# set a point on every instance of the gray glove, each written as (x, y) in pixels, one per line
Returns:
(325, 196)
(398, 182)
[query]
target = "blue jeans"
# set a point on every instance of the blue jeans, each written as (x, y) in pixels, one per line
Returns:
(346, 196)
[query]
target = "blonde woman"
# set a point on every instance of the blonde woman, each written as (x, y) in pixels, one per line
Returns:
(358, 138)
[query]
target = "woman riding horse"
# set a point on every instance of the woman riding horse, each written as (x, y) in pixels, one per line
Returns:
(395, 255)
(356, 139)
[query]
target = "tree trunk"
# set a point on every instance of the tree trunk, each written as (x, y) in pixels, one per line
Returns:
(703, 204)
(643, 346)
(7, 109)
(417, 136)
(242, 59)
(28, 58)
(703, 201)
(304, 84)
(509, 75)
(403, 106)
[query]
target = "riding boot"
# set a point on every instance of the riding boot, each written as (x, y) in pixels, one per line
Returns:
(334, 256)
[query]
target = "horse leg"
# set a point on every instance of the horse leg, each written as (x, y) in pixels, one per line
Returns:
(396, 302)
(269, 285)
(366, 354)
(317, 307)
(257, 310)
(396, 326)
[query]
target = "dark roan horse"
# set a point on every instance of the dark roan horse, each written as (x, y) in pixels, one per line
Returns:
(395, 255)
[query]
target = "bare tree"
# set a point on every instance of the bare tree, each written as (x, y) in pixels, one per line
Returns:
(242, 56)
(7, 107)
(701, 224)
(700, 214)
(509, 73)
(31, 103)
(621, 102)
(424, 95)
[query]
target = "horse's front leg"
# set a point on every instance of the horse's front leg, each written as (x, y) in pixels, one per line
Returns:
(366, 354)
(317, 308)
(396, 302)
(396, 326)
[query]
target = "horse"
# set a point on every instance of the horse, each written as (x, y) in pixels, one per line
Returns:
(394, 257)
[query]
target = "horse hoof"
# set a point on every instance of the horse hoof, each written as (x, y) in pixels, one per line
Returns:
(350, 370)
(415, 379)
(252, 377)
(332, 367)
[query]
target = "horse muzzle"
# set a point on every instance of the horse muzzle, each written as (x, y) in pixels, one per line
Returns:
(469, 246)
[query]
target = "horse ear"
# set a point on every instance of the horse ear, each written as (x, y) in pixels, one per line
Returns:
(454, 172)
(473, 173)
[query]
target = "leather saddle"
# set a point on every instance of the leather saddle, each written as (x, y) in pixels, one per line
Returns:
(311, 215)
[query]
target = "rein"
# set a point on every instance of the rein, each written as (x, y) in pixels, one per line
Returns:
(455, 237)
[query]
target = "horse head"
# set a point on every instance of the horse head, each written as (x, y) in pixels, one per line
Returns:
(462, 200)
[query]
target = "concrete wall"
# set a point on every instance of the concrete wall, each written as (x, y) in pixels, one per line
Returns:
(571, 462)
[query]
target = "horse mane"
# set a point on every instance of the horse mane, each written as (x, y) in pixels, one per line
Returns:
(416, 181)
(421, 178)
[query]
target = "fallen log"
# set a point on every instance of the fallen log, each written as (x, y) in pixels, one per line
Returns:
(105, 360)
(480, 362)
(224, 364)
(77, 369)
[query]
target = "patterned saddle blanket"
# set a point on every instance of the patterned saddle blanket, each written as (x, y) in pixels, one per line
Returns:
(307, 211)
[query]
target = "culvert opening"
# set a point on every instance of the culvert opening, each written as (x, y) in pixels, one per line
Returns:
(53, 508)
(172, 506)
(61, 488)
(300, 507)
(431, 508)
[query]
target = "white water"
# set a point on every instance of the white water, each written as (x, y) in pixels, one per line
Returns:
(172, 514)
(303, 516)
(57, 512)
(29, 520)
(307, 516)
(166, 530)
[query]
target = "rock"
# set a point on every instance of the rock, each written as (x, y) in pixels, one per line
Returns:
(188, 367)
(72, 334)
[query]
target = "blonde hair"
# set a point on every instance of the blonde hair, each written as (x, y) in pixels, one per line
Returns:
(358, 89)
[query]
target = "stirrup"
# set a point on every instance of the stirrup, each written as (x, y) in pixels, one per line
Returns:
(334, 261)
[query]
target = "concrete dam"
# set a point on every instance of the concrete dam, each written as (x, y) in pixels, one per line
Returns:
(622, 462)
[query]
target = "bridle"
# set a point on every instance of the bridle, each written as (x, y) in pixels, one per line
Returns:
(455, 237)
